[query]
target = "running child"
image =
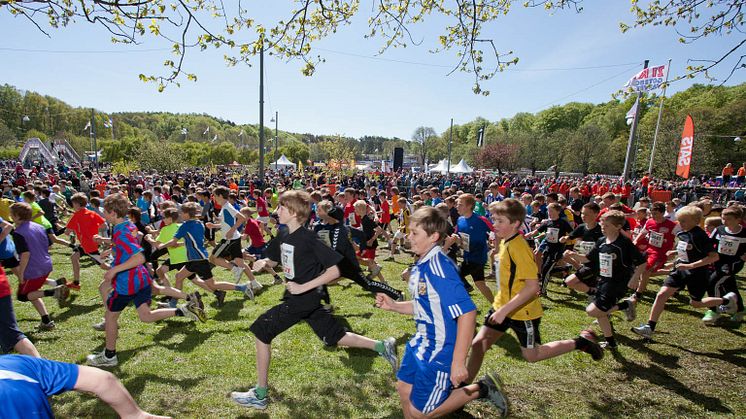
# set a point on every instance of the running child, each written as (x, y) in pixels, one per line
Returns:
(308, 265)
(472, 232)
(85, 224)
(434, 365)
(730, 241)
(130, 282)
(660, 237)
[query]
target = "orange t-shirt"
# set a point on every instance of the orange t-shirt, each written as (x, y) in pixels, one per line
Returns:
(727, 171)
(85, 223)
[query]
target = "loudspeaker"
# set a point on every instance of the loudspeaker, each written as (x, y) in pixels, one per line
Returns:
(398, 158)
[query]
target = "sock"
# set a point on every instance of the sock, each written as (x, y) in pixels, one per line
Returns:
(611, 341)
(60, 281)
(110, 353)
(483, 391)
(652, 325)
(623, 305)
(49, 293)
(725, 301)
(179, 312)
(581, 343)
(638, 295)
(241, 287)
(261, 392)
(76, 281)
(379, 347)
(45, 318)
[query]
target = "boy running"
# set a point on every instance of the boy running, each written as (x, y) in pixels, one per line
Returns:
(308, 266)
(730, 241)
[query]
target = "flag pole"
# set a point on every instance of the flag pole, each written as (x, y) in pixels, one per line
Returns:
(629, 158)
(657, 124)
(450, 139)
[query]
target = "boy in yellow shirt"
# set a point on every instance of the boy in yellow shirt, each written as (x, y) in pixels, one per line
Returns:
(516, 305)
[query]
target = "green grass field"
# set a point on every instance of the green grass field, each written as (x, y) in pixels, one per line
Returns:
(183, 369)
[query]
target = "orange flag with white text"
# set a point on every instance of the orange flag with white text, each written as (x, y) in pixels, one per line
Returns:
(685, 149)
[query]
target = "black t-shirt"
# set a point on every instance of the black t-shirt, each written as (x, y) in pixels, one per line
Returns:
(336, 236)
(369, 228)
(303, 256)
(588, 238)
(615, 262)
(693, 245)
(554, 230)
(730, 246)
(20, 243)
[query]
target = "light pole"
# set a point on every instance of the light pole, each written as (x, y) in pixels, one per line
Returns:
(276, 121)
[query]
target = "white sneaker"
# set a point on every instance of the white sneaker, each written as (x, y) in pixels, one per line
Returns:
(644, 331)
(732, 305)
(100, 360)
(256, 286)
(237, 273)
(100, 326)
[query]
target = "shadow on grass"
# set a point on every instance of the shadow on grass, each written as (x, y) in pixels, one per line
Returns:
(658, 376)
(733, 356)
(74, 310)
(567, 302)
(229, 310)
(508, 342)
(641, 345)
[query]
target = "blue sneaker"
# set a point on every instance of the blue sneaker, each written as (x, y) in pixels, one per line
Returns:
(249, 399)
(390, 354)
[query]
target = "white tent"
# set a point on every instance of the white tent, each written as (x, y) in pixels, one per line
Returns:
(461, 167)
(282, 163)
(441, 167)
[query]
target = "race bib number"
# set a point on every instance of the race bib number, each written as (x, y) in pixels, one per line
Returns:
(583, 248)
(605, 264)
(351, 219)
(288, 260)
(728, 245)
(553, 235)
(656, 239)
(464, 241)
(681, 251)
(324, 236)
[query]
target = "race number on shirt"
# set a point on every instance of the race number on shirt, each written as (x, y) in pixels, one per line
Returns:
(584, 247)
(605, 261)
(681, 251)
(656, 239)
(553, 235)
(464, 241)
(287, 258)
(728, 245)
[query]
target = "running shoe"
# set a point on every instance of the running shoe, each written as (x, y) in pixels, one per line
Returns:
(197, 297)
(47, 326)
(592, 347)
(73, 286)
(390, 353)
(710, 317)
(495, 392)
(732, 305)
(220, 296)
(249, 399)
(61, 294)
(644, 331)
(192, 311)
(100, 360)
(631, 311)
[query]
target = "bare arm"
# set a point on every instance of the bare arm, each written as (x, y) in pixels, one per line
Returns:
(327, 276)
(464, 336)
(385, 302)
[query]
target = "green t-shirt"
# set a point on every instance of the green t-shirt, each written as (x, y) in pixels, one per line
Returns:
(176, 254)
(42, 221)
(479, 209)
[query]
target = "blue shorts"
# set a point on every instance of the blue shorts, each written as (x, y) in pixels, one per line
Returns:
(118, 302)
(431, 381)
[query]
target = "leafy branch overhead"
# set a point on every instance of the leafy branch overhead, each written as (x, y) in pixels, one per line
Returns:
(202, 24)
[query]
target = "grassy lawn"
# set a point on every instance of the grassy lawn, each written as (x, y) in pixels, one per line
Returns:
(183, 369)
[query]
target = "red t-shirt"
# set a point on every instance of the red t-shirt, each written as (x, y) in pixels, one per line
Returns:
(261, 207)
(660, 233)
(85, 223)
(385, 212)
(4, 286)
(254, 231)
(350, 215)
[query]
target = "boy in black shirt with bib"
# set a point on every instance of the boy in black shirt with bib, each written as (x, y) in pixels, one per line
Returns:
(695, 253)
(308, 265)
(730, 242)
(609, 269)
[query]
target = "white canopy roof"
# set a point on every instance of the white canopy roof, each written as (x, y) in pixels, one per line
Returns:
(283, 162)
(461, 167)
(441, 167)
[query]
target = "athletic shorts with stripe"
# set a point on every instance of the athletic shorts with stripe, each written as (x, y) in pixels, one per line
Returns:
(431, 381)
(228, 249)
(527, 331)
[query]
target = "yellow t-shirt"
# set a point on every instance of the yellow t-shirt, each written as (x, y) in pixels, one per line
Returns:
(5, 209)
(516, 265)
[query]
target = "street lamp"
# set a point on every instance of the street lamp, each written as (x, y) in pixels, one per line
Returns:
(276, 121)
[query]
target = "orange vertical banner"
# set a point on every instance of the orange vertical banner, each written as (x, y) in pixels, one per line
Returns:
(685, 150)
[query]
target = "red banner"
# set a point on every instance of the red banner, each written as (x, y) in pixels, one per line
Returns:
(685, 150)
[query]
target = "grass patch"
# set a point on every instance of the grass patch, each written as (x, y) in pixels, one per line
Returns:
(187, 370)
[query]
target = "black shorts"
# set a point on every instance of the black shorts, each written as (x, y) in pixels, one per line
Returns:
(10, 263)
(228, 249)
(290, 312)
(94, 256)
(476, 270)
(527, 331)
(173, 266)
(202, 268)
(10, 335)
(607, 296)
(696, 282)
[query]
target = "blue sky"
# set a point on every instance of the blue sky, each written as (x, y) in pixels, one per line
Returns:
(353, 93)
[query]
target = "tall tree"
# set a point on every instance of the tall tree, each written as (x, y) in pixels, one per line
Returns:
(423, 136)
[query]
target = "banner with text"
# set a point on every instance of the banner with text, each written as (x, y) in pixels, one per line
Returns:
(685, 150)
(647, 79)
